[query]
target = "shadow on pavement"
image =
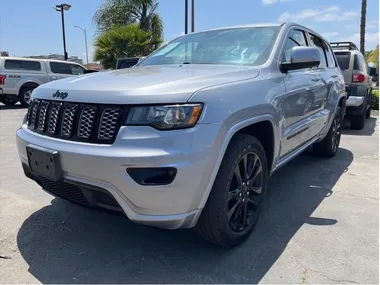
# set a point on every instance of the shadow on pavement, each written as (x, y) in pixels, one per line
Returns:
(368, 130)
(9, 107)
(64, 243)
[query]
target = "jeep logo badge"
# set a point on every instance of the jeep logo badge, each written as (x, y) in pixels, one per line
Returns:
(61, 95)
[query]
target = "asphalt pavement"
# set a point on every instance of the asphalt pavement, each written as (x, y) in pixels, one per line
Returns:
(320, 225)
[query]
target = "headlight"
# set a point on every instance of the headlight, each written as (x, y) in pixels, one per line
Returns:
(167, 117)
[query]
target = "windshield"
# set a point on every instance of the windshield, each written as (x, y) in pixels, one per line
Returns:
(238, 46)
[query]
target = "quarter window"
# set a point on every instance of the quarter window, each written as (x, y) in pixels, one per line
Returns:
(295, 39)
(316, 42)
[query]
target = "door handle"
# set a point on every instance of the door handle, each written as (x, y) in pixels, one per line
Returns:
(315, 79)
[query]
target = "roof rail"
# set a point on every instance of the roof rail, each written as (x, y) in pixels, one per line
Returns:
(343, 45)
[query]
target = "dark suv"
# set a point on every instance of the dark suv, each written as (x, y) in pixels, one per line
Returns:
(358, 82)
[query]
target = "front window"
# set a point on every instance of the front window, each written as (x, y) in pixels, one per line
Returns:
(237, 46)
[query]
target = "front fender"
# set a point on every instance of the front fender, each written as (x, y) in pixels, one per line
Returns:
(223, 147)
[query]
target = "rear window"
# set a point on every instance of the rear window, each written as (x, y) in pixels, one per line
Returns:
(13, 64)
(343, 59)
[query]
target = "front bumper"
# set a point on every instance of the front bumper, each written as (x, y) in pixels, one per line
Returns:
(192, 152)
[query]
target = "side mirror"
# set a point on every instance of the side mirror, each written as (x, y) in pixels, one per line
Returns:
(372, 71)
(302, 57)
(90, 71)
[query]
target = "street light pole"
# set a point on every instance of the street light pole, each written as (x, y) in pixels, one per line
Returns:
(192, 16)
(186, 14)
(85, 41)
(61, 8)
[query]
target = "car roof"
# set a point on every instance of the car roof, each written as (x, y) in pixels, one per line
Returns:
(37, 59)
(269, 24)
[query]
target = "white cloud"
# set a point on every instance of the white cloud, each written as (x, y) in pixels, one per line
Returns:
(270, 2)
(332, 13)
(329, 35)
(372, 25)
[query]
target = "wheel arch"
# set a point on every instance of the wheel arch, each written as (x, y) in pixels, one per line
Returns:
(252, 126)
(28, 84)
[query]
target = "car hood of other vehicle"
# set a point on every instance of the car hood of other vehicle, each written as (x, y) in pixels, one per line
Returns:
(144, 84)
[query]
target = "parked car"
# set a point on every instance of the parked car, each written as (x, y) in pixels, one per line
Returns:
(127, 62)
(20, 76)
(190, 136)
(358, 82)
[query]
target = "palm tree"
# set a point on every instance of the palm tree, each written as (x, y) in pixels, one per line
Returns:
(362, 26)
(125, 12)
(121, 41)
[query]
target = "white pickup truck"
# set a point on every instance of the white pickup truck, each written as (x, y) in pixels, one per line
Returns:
(19, 76)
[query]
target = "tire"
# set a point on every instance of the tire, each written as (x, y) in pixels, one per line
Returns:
(357, 122)
(368, 113)
(329, 146)
(214, 225)
(9, 100)
(25, 95)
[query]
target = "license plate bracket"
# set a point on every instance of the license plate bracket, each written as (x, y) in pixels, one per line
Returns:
(44, 162)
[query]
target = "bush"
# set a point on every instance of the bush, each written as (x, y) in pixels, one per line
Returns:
(375, 100)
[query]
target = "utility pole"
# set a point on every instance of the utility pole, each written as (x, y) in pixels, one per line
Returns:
(85, 40)
(192, 16)
(186, 15)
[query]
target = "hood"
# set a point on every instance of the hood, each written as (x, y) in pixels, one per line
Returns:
(144, 84)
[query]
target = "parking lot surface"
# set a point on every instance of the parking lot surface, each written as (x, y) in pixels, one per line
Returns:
(320, 225)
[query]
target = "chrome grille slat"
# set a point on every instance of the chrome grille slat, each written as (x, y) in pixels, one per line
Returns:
(42, 117)
(75, 121)
(33, 116)
(68, 118)
(108, 123)
(53, 117)
(86, 121)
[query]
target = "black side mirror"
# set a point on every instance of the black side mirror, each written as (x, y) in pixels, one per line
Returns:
(302, 57)
(90, 71)
(372, 71)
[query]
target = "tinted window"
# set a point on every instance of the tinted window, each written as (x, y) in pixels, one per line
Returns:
(13, 64)
(76, 69)
(343, 59)
(316, 42)
(57, 67)
(329, 55)
(22, 65)
(126, 62)
(359, 63)
(235, 46)
(295, 39)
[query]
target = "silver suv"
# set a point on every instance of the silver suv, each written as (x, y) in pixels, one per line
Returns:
(189, 137)
(358, 82)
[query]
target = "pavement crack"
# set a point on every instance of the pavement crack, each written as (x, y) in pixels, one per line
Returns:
(332, 279)
(4, 257)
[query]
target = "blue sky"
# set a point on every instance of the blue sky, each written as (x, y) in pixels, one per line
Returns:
(33, 27)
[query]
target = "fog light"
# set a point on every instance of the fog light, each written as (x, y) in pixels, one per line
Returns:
(153, 176)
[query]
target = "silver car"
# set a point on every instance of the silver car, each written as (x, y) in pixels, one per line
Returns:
(189, 137)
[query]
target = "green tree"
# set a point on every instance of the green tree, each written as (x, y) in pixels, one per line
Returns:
(124, 12)
(121, 41)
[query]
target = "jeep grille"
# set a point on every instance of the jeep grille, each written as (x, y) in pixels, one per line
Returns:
(76, 121)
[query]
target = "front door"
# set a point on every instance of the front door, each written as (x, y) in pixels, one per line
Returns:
(301, 105)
